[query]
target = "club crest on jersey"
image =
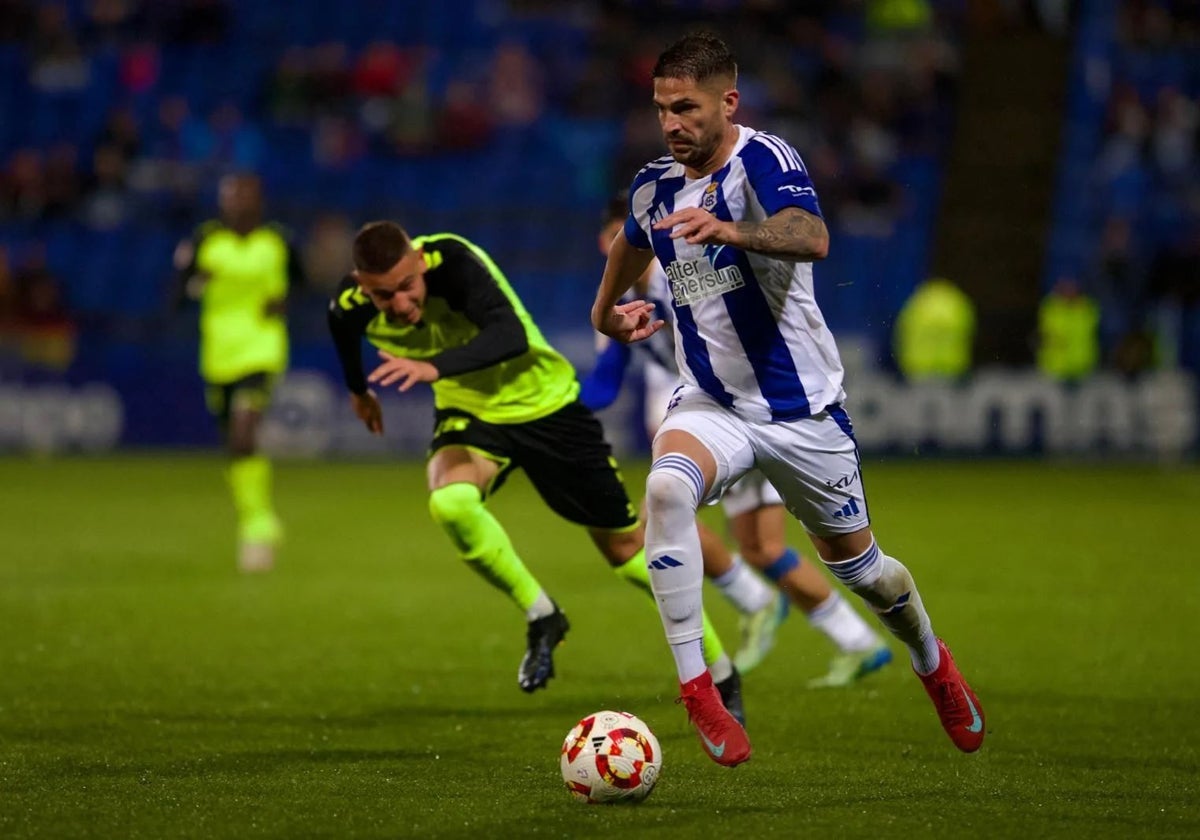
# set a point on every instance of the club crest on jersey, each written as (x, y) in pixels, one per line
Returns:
(709, 200)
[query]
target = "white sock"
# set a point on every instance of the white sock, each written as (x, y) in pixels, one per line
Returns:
(748, 592)
(689, 660)
(722, 669)
(673, 491)
(888, 588)
(540, 608)
(845, 628)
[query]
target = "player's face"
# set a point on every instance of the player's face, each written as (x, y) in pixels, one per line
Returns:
(399, 293)
(694, 117)
(240, 198)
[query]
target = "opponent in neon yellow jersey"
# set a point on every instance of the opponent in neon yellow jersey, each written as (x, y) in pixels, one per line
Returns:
(440, 311)
(240, 270)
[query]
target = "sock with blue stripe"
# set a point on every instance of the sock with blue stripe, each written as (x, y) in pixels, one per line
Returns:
(888, 588)
(635, 572)
(673, 492)
(748, 592)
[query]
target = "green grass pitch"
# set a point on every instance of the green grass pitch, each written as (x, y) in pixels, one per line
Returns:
(367, 686)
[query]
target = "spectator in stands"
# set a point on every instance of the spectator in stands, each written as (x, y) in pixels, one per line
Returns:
(139, 68)
(22, 187)
(330, 79)
(45, 327)
(934, 332)
(58, 64)
(108, 204)
(110, 23)
(1175, 293)
(166, 175)
(337, 142)
(327, 250)
(464, 121)
(61, 182)
(1119, 282)
(8, 305)
(1068, 333)
(289, 93)
(515, 87)
(122, 132)
(237, 144)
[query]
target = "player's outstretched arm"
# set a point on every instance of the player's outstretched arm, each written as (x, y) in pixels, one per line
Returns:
(367, 409)
(791, 234)
(402, 372)
(625, 322)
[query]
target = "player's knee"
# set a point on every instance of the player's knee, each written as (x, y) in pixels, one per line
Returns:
(882, 583)
(453, 507)
(669, 491)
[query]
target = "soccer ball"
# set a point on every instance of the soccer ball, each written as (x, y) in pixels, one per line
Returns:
(611, 757)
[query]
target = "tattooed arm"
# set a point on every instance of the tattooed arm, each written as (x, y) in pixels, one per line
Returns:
(791, 234)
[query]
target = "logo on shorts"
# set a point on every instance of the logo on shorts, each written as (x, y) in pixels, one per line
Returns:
(676, 396)
(843, 482)
(849, 509)
(452, 424)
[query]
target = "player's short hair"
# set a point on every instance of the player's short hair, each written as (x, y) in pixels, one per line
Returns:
(379, 246)
(617, 209)
(698, 56)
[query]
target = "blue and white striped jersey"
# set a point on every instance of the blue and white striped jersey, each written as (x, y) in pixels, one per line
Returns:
(660, 347)
(747, 327)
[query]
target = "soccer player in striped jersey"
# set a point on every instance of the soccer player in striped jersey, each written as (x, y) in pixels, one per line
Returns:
(439, 310)
(733, 217)
(753, 509)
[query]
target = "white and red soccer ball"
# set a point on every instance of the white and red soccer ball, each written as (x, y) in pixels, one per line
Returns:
(611, 757)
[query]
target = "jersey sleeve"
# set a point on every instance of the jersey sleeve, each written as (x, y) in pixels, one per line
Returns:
(294, 266)
(184, 262)
(641, 194)
(601, 387)
(469, 287)
(350, 311)
(778, 176)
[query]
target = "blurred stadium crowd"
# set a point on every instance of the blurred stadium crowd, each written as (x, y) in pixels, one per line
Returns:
(513, 122)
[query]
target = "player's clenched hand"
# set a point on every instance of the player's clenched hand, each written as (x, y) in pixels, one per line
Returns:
(629, 322)
(697, 227)
(406, 372)
(367, 409)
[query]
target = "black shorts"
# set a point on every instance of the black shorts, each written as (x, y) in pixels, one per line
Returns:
(564, 454)
(250, 393)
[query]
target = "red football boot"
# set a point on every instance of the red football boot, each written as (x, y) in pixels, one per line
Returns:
(722, 736)
(956, 704)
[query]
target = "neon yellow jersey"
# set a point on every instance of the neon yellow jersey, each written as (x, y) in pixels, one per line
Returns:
(245, 275)
(465, 289)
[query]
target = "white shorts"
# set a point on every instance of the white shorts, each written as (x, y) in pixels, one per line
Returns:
(812, 462)
(660, 385)
(751, 492)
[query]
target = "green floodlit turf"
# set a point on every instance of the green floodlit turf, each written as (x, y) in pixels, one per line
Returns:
(367, 686)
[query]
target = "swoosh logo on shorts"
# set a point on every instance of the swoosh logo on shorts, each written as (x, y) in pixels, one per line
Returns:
(976, 720)
(718, 751)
